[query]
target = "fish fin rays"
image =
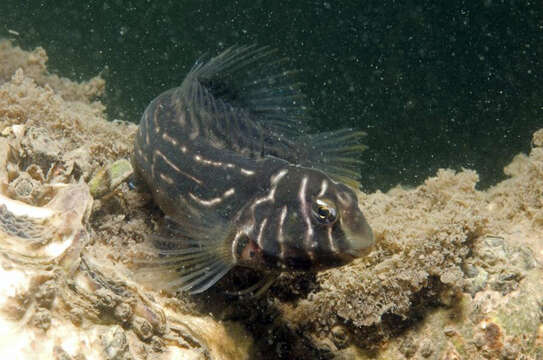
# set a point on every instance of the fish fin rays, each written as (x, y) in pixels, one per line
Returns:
(245, 96)
(190, 259)
(257, 289)
(337, 153)
(245, 100)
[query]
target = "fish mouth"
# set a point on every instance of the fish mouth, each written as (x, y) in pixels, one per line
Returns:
(357, 253)
(359, 242)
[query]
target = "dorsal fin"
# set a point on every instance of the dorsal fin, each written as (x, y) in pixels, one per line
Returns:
(337, 153)
(245, 97)
(248, 102)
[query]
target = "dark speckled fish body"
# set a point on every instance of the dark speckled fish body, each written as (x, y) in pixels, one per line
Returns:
(228, 160)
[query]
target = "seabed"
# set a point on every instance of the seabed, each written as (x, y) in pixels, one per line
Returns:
(455, 274)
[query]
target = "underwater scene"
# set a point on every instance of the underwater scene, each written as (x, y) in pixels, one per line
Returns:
(271, 180)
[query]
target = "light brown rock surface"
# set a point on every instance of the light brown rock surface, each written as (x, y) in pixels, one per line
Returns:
(455, 274)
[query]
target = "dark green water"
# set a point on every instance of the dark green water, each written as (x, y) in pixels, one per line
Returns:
(435, 84)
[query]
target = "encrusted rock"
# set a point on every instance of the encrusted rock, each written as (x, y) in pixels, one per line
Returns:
(115, 344)
(447, 257)
(46, 294)
(341, 336)
(123, 312)
(41, 319)
(142, 328)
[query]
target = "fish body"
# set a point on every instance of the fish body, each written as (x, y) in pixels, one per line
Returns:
(229, 161)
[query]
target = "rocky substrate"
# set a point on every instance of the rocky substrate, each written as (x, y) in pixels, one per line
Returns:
(455, 274)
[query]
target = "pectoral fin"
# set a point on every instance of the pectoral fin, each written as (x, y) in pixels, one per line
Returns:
(192, 260)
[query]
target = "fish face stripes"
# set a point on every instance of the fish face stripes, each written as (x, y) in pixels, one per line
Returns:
(288, 232)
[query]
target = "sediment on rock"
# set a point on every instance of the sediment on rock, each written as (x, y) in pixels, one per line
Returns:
(455, 271)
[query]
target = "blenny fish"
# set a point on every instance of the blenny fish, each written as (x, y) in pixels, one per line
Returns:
(228, 159)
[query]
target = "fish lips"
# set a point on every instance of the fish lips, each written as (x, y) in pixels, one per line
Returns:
(358, 235)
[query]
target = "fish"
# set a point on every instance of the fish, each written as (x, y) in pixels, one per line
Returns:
(242, 182)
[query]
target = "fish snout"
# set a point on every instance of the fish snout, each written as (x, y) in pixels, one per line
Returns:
(359, 236)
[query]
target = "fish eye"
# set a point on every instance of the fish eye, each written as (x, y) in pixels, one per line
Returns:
(324, 212)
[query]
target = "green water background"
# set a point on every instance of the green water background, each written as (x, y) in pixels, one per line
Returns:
(434, 84)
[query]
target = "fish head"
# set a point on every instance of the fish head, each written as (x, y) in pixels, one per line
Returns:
(304, 221)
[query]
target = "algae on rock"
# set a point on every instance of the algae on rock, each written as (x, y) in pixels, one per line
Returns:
(456, 272)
